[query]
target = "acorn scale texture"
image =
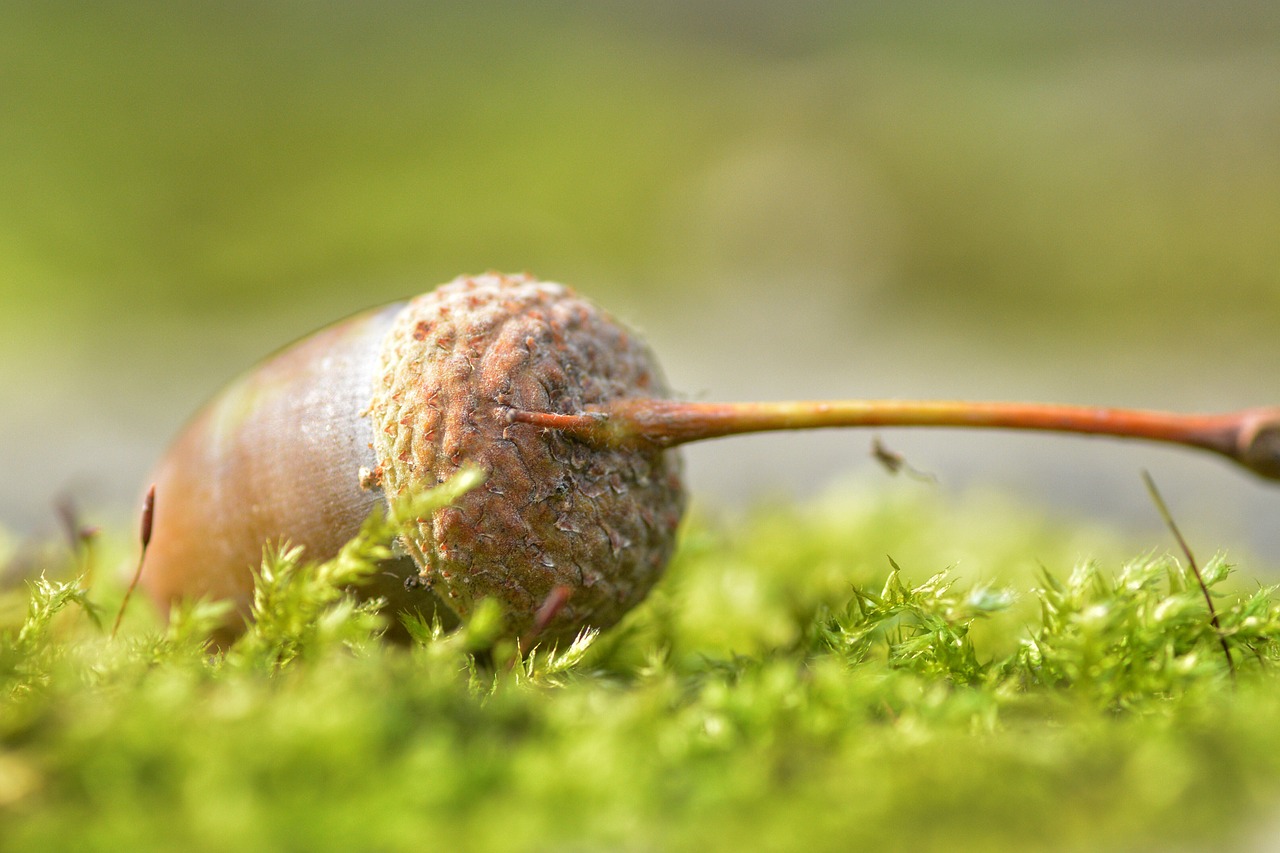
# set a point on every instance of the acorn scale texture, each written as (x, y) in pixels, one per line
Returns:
(553, 510)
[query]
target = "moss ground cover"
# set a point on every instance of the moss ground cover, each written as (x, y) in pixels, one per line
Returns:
(880, 672)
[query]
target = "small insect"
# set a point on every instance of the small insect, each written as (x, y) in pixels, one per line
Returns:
(896, 463)
(416, 583)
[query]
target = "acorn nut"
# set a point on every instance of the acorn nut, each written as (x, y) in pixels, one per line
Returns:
(568, 416)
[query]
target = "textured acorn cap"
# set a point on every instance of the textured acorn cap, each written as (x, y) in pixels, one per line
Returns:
(553, 510)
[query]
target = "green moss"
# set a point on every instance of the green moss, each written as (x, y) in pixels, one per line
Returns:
(785, 687)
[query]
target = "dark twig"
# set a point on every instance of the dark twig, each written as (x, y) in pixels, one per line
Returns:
(1163, 509)
(80, 536)
(148, 515)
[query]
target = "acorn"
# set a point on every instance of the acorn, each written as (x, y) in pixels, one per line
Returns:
(564, 410)
(305, 445)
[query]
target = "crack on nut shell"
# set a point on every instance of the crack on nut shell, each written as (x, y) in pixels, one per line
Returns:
(488, 345)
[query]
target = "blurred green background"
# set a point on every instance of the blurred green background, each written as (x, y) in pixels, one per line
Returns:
(1075, 201)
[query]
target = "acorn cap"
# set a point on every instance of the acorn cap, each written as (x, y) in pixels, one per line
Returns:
(553, 510)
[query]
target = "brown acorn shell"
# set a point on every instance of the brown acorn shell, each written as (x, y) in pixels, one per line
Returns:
(553, 511)
(286, 453)
(274, 458)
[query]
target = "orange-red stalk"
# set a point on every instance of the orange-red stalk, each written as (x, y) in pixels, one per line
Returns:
(1250, 437)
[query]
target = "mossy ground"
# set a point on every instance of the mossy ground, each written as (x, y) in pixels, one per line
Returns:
(784, 688)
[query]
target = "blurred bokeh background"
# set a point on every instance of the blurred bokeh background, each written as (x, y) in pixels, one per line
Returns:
(1059, 201)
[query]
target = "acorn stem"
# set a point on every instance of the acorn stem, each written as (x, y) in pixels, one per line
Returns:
(1250, 437)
